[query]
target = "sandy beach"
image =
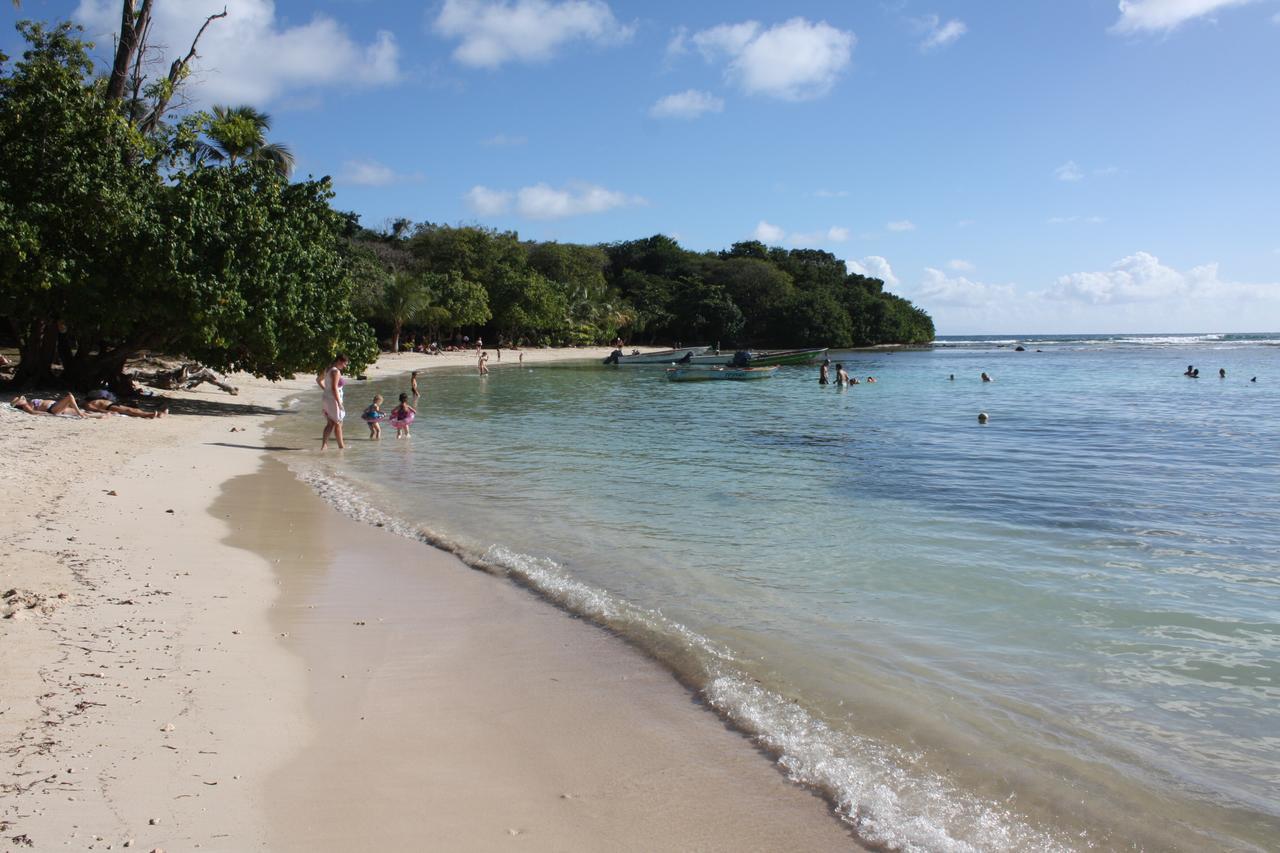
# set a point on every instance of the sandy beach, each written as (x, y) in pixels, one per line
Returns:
(197, 652)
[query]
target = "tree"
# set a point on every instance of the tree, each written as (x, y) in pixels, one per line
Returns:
(464, 302)
(104, 258)
(240, 134)
(404, 300)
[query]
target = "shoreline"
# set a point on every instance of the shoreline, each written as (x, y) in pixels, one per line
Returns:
(158, 686)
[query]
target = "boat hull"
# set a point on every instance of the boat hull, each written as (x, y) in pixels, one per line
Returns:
(765, 358)
(663, 359)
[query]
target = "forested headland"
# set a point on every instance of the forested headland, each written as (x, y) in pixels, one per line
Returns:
(435, 280)
(127, 226)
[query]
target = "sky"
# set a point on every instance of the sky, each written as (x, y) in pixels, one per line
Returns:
(1034, 167)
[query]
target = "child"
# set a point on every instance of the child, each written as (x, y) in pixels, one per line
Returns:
(484, 367)
(413, 384)
(373, 417)
(402, 415)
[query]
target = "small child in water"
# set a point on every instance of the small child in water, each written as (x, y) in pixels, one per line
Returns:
(403, 415)
(373, 417)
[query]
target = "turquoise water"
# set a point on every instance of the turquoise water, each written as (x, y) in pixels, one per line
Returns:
(1060, 630)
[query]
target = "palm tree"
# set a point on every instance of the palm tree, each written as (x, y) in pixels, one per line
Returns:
(240, 133)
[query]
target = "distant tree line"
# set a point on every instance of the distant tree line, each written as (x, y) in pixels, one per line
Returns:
(439, 281)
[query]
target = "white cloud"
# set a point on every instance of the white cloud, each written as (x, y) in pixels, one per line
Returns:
(1068, 171)
(487, 202)
(688, 104)
(1142, 278)
(252, 57)
(503, 140)
(794, 61)
(678, 44)
(873, 266)
(541, 201)
(961, 265)
(938, 287)
(938, 34)
(901, 225)
(494, 32)
(370, 173)
(1165, 15)
(768, 233)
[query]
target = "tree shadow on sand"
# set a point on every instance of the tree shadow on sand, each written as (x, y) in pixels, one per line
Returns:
(219, 408)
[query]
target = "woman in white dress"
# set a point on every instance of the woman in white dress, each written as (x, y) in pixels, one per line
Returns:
(331, 381)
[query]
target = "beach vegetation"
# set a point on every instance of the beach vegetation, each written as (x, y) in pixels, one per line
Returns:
(113, 242)
(649, 290)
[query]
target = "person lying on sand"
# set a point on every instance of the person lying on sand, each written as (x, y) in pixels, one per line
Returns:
(38, 406)
(110, 407)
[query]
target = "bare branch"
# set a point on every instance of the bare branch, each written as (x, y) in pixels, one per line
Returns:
(177, 71)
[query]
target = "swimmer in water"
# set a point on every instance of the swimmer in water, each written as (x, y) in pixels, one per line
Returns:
(986, 378)
(842, 378)
(1222, 373)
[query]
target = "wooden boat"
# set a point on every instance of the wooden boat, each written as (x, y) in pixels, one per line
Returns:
(664, 357)
(764, 358)
(703, 374)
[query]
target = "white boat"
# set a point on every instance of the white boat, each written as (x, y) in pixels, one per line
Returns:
(665, 357)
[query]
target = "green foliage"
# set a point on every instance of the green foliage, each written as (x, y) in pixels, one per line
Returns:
(239, 134)
(104, 256)
(554, 292)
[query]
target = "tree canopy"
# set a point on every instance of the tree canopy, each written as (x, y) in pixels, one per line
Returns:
(650, 289)
(108, 251)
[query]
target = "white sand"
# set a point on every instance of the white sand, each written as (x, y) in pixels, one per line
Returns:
(225, 691)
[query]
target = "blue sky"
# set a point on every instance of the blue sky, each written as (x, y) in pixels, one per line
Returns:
(1032, 167)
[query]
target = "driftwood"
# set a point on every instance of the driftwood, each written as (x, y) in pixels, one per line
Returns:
(184, 377)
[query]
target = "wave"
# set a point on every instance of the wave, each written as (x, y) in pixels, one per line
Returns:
(879, 790)
(1121, 340)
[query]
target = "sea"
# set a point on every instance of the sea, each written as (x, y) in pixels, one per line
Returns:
(1058, 630)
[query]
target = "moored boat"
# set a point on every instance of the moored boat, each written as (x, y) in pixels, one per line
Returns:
(663, 357)
(763, 358)
(702, 374)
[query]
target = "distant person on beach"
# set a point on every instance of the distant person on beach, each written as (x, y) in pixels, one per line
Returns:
(823, 378)
(479, 344)
(38, 406)
(331, 381)
(373, 417)
(482, 364)
(842, 378)
(413, 384)
(1222, 373)
(403, 415)
(986, 378)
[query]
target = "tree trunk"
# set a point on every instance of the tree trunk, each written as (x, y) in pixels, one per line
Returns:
(132, 25)
(395, 337)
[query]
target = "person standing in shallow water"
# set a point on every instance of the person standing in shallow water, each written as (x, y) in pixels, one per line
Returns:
(331, 381)
(823, 378)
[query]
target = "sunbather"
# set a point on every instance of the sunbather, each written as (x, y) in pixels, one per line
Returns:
(39, 406)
